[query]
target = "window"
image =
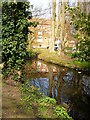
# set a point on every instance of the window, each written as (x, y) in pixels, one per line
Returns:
(40, 40)
(39, 37)
(39, 33)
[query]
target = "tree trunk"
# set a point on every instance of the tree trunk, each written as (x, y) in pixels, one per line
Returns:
(51, 48)
(62, 34)
(58, 30)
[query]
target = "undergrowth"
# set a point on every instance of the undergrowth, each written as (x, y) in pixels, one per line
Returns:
(44, 106)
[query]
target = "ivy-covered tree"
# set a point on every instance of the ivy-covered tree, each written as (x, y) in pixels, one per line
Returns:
(81, 22)
(14, 36)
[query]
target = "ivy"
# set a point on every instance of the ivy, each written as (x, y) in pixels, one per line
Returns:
(14, 36)
(81, 23)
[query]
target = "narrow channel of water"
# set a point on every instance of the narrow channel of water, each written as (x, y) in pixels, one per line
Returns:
(67, 86)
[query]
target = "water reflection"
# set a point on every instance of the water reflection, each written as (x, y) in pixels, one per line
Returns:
(65, 85)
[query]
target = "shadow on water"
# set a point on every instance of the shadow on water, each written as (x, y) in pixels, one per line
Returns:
(65, 85)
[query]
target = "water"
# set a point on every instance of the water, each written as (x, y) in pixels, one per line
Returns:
(67, 86)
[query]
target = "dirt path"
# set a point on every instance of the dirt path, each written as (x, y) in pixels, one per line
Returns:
(11, 107)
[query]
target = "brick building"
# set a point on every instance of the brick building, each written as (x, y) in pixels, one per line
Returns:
(41, 34)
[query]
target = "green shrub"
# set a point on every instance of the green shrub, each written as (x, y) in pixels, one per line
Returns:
(62, 113)
(46, 106)
(31, 54)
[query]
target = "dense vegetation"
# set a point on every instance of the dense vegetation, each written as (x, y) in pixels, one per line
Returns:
(14, 42)
(45, 107)
(80, 21)
(14, 36)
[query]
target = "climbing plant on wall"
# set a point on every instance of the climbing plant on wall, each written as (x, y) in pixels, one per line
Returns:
(14, 36)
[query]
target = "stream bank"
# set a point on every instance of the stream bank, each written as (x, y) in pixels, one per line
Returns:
(13, 108)
(62, 60)
(67, 86)
(11, 101)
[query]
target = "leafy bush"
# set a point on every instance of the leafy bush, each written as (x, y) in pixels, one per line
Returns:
(62, 113)
(80, 21)
(46, 106)
(46, 102)
(31, 54)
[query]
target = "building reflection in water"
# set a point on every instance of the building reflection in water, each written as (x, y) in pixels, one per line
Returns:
(64, 84)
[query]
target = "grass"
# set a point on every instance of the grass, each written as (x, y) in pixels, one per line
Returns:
(62, 60)
(83, 65)
(49, 57)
